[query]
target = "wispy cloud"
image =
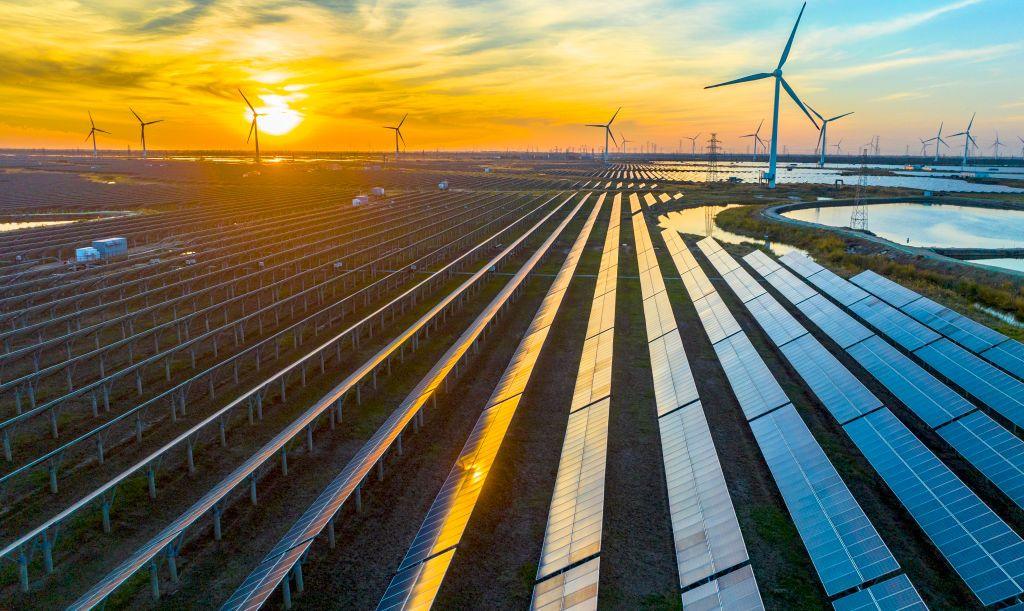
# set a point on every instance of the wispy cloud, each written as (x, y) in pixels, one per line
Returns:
(911, 61)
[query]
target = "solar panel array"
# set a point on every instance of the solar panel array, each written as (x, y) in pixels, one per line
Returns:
(988, 343)
(983, 549)
(448, 516)
(573, 532)
(895, 594)
(994, 451)
(843, 545)
(711, 556)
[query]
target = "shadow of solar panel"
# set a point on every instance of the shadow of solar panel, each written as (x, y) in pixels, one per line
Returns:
(839, 326)
(705, 530)
(838, 288)
(792, 288)
(801, 264)
(888, 291)
(573, 590)
(673, 379)
(755, 387)
(843, 545)
(743, 284)
(1009, 355)
(735, 591)
(718, 321)
(929, 399)
(761, 262)
(574, 521)
(1001, 392)
(416, 586)
(842, 394)
(900, 328)
(993, 450)
(658, 315)
(895, 594)
(983, 550)
(779, 324)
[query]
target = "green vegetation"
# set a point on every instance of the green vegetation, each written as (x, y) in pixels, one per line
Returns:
(791, 589)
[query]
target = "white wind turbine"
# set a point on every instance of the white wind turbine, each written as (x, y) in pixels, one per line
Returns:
(142, 127)
(968, 139)
(607, 127)
(92, 134)
(938, 141)
(823, 133)
(757, 139)
(693, 143)
(780, 82)
(997, 145)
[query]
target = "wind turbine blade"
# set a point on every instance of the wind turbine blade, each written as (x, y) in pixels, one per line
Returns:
(247, 103)
(102, 131)
(613, 137)
(597, 125)
(792, 35)
(136, 114)
(87, 136)
(403, 120)
(91, 122)
(252, 126)
(615, 115)
(745, 79)
(817, 114)
(971, 124)
(400, 136)
(758, 130)
(796, 99)
(839, 117)
(958, 134)
(157, 121)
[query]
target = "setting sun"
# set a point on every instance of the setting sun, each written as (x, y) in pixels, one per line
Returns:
(276, 116)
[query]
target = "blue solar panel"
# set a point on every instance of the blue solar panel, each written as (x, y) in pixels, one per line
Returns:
(801, 264)
(895, 594)
(899, 327)
(996, 389)
(1009, 355)
(762, 263)
(930, 399)
(839, 288)
(753, 384)
(743, 284)
(779, 324)
(837, 324)
(888, 291)
(792, 288)
(718, 321)
(843, 395)
(996, 452)
(843, 545)
(964, 331)
(983, 550)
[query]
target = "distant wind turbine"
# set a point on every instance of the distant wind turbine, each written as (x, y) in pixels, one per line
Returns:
(624, 142)
(693, 143)
(997, 144)
(823, 134)
(779, 82)
(968, 139)
(924, 147)
(938, 141)
(1021, 147)
(92, 134)
(142, 127)
(607, 132)
(839, 146)
(398, 132)
(254, 128)
(757, 139)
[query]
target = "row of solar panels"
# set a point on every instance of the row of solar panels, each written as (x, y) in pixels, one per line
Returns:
(843, 545)
(996, 452)
(421, 572)
(981, 547)
(711, 555)
(572, 537)
(165, 542)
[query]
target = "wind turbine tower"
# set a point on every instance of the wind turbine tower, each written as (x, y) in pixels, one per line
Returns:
(997, 145)
(938, 141)
(693, 143)
(398, 132)
(968, 140)
(823, 134)
(624, 143)
(142, 128)
(92, 134)
(780, 83)
(757, 139)
(254, 127)
(607, 127)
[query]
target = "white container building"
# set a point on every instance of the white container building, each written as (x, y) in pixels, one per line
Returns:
(86, 254)
(109, 247)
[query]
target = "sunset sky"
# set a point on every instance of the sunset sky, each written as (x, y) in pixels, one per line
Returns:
(493, 74)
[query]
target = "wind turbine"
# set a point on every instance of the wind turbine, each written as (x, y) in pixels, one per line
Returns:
(607, 132)
(254, 128)
(142, 127)
(924, 146)
(398, 132)
(998, 143)
(693, 143)
(757, 138)
(624, 142)
(938, 141)
(839, 146)
(968, 139)
(823, 133)
(1022, 147)
(92, 134)
(779, 82)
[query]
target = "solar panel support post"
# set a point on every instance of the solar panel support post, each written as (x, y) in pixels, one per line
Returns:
(151, 480)
(8, 455)
(105, 511)
(252, 489)
(172, 564)
(297, 571)
(284, 461)
(23, 570)
(216, 522)
(359, 498)
(47, 553)
(154, 580)
(380, 469)
(398, 443)
(309, 439)
(331, 540)
(286, 593)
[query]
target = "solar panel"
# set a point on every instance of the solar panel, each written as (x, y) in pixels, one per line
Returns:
(968, 333)
(735, 591)
(901, 328)
(837, 324)
(697, 283)
(705, 529)
(573, 590)
(718, 321)
(743, 284)
(722, 260)
(838, 288)
(755, 387)
(1009, 355)
(684, 255)
(574, 521)
(673, 380)
(602, 313)
(606, 277)
(779, 324)
(594, 377)
(792, 288)
(651, 282)
(843, 395)
(996, 389)
(996, 452)
(888, 291)
(931, 400)
(709, 245)
(658, 315)
(801, 264)
(983, 550)
(761, 262)
(415, 587)
(895, 594)
(843, 545)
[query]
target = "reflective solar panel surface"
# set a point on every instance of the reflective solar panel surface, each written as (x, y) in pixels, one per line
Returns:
(415, 587)
(743, 284)
(899, 327)
(761, 262)
(573, 590)
(1009, 355)
(752, 382)
(706, 533)
(923, 394)
(888, 291)
(839, 326)
(697, 283)
(801, 264)
(779, 324)
(996, 452)
(594, 376)
(792, 288)
(964, 331)
(718, 321)
(673, 379)
(843, 545)
(837, 287)
(735, 591)
(658, 315)
(983, 550)
(894, 594)
(842, 394)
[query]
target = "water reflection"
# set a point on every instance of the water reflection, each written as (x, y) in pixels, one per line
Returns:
(29, 225)
(700, 220)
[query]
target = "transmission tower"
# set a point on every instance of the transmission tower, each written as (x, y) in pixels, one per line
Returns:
(859, 214)
(714, 149)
